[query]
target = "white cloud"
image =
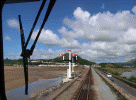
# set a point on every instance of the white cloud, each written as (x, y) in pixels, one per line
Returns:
(102, 7)
(45, 54)
(110, 36)
(98, 27)
(130, 36)
(8, 38)
(80, 14)
(134, 9)
(13, 23)
(65, 33)
(12, 55)
(69, 43)
(47, 37)
(50, 38)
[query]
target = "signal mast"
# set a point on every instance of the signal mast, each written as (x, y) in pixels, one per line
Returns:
(71, 59)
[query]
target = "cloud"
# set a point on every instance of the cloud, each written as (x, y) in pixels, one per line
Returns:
(37, 54)
(129, 36)
(69, 43)
(12, 55)
(109, 37)
(8, 38)
(50, 38)
(134, 9)
(45, 54)
(102, 7)
(98, 27)
(107, 51)
(13, 23)
(80, 14)
(47, 37)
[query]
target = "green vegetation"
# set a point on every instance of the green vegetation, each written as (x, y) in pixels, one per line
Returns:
(9, 62)
(79, 60)
(132, 79)
(112, 91)
(118, 98)
(110, 65)
(103, 65)
(84, 61)
(116, 73)
(112, 71)
(125, 78)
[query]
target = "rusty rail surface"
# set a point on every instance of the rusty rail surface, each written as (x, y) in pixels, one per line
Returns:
(63, 89)
(85, 91)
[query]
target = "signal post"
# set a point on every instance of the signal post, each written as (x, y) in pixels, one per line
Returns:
(71, 60)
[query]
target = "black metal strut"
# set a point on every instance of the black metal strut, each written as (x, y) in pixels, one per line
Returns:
(26, 53)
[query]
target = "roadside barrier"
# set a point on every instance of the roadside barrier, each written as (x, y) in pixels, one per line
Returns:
(131, 84)
(124, 95)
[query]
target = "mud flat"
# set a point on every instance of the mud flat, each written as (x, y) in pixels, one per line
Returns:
(39, 77)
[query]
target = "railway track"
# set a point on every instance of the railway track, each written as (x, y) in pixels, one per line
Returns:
(82, 86)
(85, 92)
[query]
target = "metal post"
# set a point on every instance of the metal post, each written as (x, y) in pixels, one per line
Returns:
(73, 64)
(69, 64)
(2, 83)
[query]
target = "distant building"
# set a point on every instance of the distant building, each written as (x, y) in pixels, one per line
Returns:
(126, 66)
(96, 65)
(87, 66)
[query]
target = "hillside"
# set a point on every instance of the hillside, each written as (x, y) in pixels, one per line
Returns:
(132, 62)
(81, 61)
(11, 62)
(110, 65)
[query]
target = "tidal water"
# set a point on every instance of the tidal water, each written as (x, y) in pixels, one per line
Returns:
(129, 74)
(33, 88)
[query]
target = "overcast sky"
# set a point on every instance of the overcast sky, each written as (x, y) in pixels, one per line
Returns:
(97, 30)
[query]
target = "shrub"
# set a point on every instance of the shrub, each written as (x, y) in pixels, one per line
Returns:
(124, 78)
(132, 79)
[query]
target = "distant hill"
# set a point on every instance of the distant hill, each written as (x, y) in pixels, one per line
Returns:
(110, 65)
(131, 62)
(80, 61)
(11, 62)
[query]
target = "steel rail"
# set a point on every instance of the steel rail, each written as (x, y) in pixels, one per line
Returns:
(80, 90)
(88, 87)
(83, 86)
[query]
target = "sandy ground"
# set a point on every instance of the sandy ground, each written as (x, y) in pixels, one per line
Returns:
(14, 77)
